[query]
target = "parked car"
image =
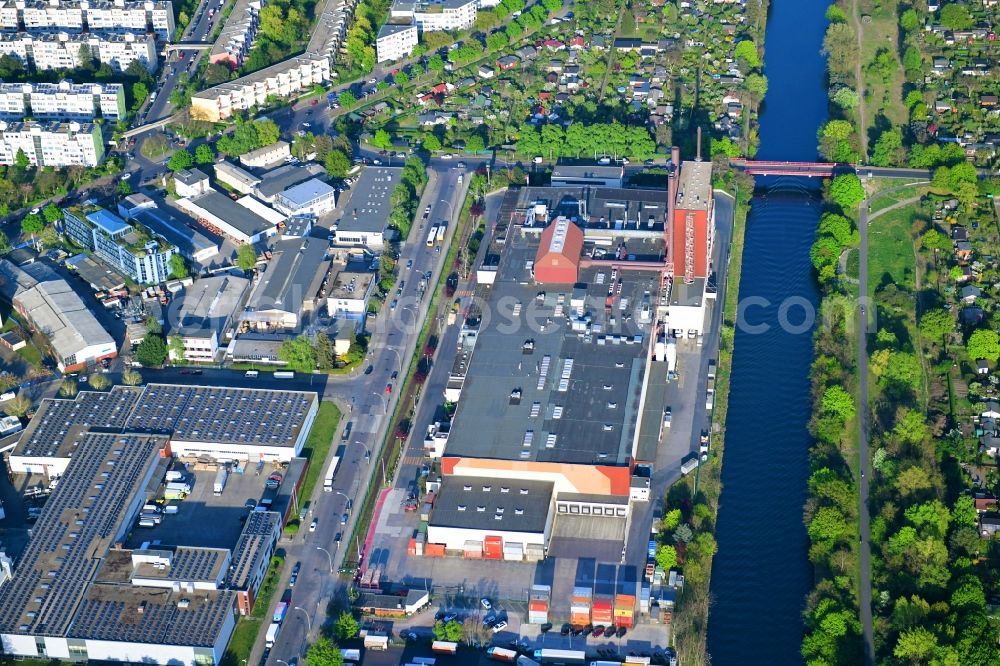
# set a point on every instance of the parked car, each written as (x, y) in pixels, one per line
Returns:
(499, 626)
(485, 602)
(312, 525)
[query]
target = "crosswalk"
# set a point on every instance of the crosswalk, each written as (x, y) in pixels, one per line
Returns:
(413, 460)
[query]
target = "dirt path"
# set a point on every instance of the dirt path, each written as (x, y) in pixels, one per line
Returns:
(858, 75)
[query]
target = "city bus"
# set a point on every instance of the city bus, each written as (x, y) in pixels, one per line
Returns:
(440, 232)
(431, 235)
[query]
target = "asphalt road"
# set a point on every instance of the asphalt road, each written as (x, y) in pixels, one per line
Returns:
(365, 402)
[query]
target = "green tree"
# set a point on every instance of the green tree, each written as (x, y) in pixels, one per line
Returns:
(847, 191)
(964, 513)
(666, 557)
(431, 143)
(845, 97)
(838, 401)
(124, 188)
(936, 324)
(474, 143)
(324, 351)
(204, 154)
(839, 228)
(32, 224)
(298, 354)
(178, 267)
(756, 84)
(747, 52)
(889, 149)
(131, 378)
(435, 64)
(176, 349)
(401, 78)
(346, 627)
(69, 388)
(324, 652)
(448, 631)
(983, 343)
(915, 645)
(153, 326)
(835, 14)
(933, 239)
(909, 21)
(139, 94)
(671, 519)
(956, 17)
(347, 99)
(98, 381)
(52, 213)
(246, 257)
(337, 164)
(180, 160)
(18, 406)
(21, 161)
(152, 351)
(382, 140)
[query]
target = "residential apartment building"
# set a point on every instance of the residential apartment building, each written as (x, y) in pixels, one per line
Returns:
(52, 143)
(395, 41)
(280, 80)
(133, 250)
(238, 34)
(93, 15)
(62, 50)
(429, 15)
(63, 100)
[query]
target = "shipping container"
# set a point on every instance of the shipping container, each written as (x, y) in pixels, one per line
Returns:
(147, 523)
(284, 374)
(579, 619)
(553, 656)
(375, 641)
(513, 551)
(179, 486)
(444, 647)
(473, 550)
(434, 550)
(601, 611)
(220, 481)
(425, 511)
(501, 654)
(493, 548)
(350, 655)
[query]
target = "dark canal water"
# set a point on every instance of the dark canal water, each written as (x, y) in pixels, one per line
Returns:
(761, 573)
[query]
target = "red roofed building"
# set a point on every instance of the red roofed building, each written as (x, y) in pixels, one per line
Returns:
(577, 42)
(558, 258)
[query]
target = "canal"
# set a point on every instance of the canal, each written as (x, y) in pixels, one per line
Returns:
(761, 574)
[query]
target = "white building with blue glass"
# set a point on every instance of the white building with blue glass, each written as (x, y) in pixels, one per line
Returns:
(132, 249)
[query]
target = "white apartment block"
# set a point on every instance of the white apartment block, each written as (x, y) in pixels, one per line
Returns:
(51, 143)
(62, 50)
(63, 100)
(395, 42)
(430, 15)
(237, 35)
(283, 79)
(91, 15)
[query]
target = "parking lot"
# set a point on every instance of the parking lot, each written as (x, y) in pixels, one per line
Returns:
(202, 518)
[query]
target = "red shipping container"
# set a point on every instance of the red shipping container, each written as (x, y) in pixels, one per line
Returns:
(412, 548)
(493, 548)
(579, 619)
(434, 550)
(473, 554)
(601, 611)
(624, 621)
(538, 605)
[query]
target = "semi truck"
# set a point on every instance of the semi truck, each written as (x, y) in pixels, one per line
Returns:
(272, 635)
(446, 647)
(331, 470)
(220, 481)
(565, 657)
(284, 374)
(279, 612)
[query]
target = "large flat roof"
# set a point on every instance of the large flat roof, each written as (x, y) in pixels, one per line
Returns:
(613, 209)
(180, 230)
(188, 413)
(260, 528)
(234, 214)
(307, 192)
(207, 306)
(78, 524)
(537, 389)
(369, 207)
(694, 186)
(503, 505)
(600, 171)
(294, 270)
(278, 180)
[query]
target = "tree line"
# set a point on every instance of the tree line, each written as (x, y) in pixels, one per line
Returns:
(586, 140)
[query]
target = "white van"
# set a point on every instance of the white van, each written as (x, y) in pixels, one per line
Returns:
(251, 374)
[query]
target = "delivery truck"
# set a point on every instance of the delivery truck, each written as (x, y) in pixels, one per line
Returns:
(220, 480)
(279, 613)
(446, 647)
(272, 635)
(501, 654)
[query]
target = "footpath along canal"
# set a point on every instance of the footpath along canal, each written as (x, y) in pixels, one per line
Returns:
(761, 574)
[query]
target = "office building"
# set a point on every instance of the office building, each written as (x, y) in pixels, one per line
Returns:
(351, 287)
(283, 79)
(395, 41)
(190, 182)
(312, 197)
(202, 315)
(52, 144)
(50, 306)
(183, 232)
(131, 249)
(235, 178)
(366, 213)
(238, 34)
(63, 100)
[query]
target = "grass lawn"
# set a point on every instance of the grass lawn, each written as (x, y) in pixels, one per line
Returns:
(853, 263)
(882, 33)
(242, 641)
(30, 355)
(885, 200)
(318, 445)
(890, 250)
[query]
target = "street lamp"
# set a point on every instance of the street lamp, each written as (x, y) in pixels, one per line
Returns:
(382, 401)
(451, 211)
(278, 661)
(309, 624)
(329, 557)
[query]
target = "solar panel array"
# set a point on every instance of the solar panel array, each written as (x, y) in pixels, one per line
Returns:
(195, 564)
(75, 529)
(47, 433)
(223, 415)
(259, 529)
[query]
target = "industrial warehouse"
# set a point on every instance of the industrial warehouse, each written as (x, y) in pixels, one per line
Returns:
(123, 461)
(559, 389)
